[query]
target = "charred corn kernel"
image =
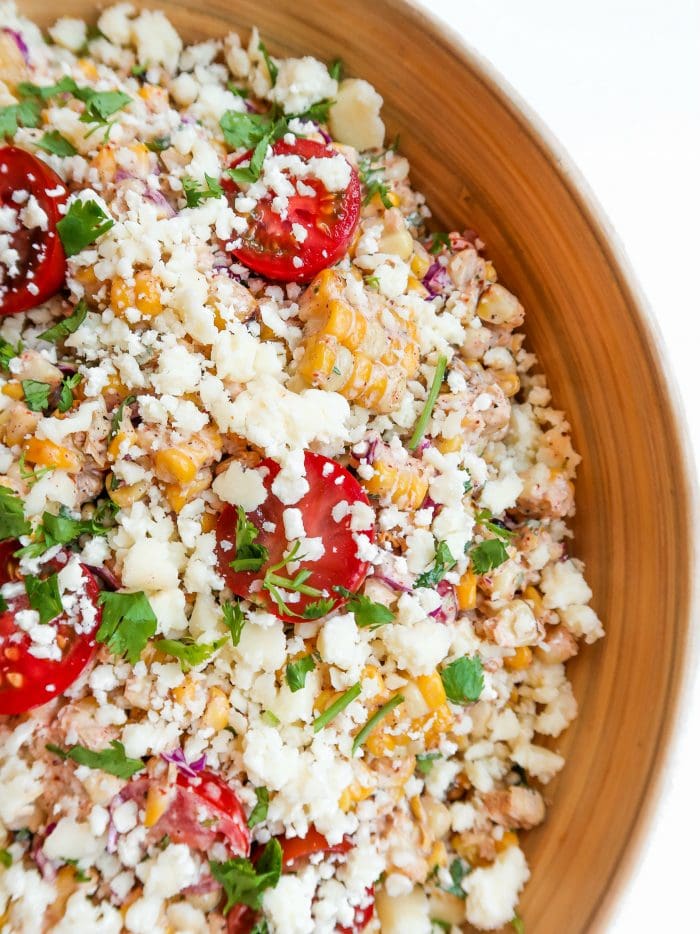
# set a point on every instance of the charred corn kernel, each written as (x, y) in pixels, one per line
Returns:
(153, 95)
(45, 453)
(88, 68)
(438, 855)
(469, 851)
(318, 361)
(521, 660)
(432, 690)
(173, 465)
(397, 243)
(380, 742)
(346, 324)
(490, 271)
(216, 713)
(434, 725)
(533, 596)
(178, 495)
(353, 794)
(115, 444)
(499, 306)
(157, 800)
(509, 383)
(208, 522)
(86, 276)
(466, 591)
(185, 692)
(509, 838)
(513, 697)
(420, 262)
(13, 390)
(126, 494)
(403, 486)
(266, 332)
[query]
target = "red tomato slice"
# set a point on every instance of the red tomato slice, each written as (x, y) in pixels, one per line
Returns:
(297, 849)
(337, 567)
(42, 262)
(204, 809)
(25, 680)
(241, 920)
(363, 916)
(328, 217)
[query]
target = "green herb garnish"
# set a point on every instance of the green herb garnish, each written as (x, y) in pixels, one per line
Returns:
(245, 882)
(272, 69)
(424, 416)
(259, 812)
(368, 614)
(463, 679)
(128, 622)
(84, 223)
(189, 654)
(65, 398)
(36, 394)
(66, 326)
(44, 596)
(234, 620)
(249, 555)
(374, 720)
(441, 565)
(440, 240)
(113, 760)
(337, 707)
(56, 144)
(488, 555)
(194, 195)
(297, 671)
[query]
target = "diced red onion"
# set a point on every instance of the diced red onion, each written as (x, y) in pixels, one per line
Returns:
(46, 867)
(121, 175)
(177, 757)
(393, 583)
(19, 42)
(447, 611)
(328, 139)
(203, 887)
(371, 451)
(159, 199)
(436, 279)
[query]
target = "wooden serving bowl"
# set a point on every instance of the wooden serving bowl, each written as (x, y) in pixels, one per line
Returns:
(483, 162)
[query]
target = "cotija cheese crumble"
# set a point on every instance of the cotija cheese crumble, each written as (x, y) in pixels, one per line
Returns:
(287, 586)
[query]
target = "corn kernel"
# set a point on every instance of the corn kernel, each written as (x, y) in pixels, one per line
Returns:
(88, 68)
(106, 164)
(217, 710)
(209, 522)
(415, 285)
(450, 445)
(185, 692)
(353, 794)
(13, 390)
(157, 800)
(533, 596)
(466, 591)
(147, 292)
(45, 453)
(509, 838)
(173, 465)
(403, 486)
(432, 690)
(397, 243)
(521, 660)
(126, 494)
(509, 383)
(438, 855)
(420, 262)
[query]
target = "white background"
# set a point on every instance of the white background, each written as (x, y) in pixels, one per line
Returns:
(618, 82)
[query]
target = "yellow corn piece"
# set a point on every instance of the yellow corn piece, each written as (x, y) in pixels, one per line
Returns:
(185, 692)
(105, 163)
(406, 486)
(391, 196)
(353, 794)
(157, 800)
(397, 243)
(209, 521)
(144, 295)
(432, 690)
(533, 596)
(379, 742)
(449, 445)
(45, 453)
(466, 591)
(438, 855)
(178, 495)
(509, 838)
(509, 383)
(88, 68)
(371, 671)
(216, 713)
(126, 494)
(175, 466)
(13, 390)
(415, 285)
(324, 699)
(434, 724)
(469, 850)
(420, 261)
(521, 660)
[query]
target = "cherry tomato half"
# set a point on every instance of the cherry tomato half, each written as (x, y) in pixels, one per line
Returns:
(25, 680)
(204, 809)
(297, 849)
(329, 219)
(363, 916)
(329, 485)
(41, 262)
(241, 920)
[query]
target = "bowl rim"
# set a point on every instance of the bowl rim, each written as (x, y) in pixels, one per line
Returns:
(686, 652)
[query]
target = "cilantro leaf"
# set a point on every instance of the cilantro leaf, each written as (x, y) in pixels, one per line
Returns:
(36, 394)
(440, 240)
(297, 671)
(65, 398)
(5, 858)
(317, 112)
(84, 223)
(3, 604)
(64, 529)
(318, 608)
(26, 113)
(112, 760)
(244, 129)
(234, 620)
(44, 93)
(7, 352)
(249, 555)
(44, 596)
(246, 175)
(259, 812)
(425, 762)
(128, 622)
(463, 679)
(56, 144)
(243, 882)
(189, 654)
(335, 69)
(12, 521)
(100, 105)
(272, 69)
(458, 871)
(442, 564)
(368, 614)
(66, 326)
(488, 555)
(194, 195)
(517, 923)
(485, 519)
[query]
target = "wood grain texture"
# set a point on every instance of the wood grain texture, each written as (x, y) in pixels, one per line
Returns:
(483, 164)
